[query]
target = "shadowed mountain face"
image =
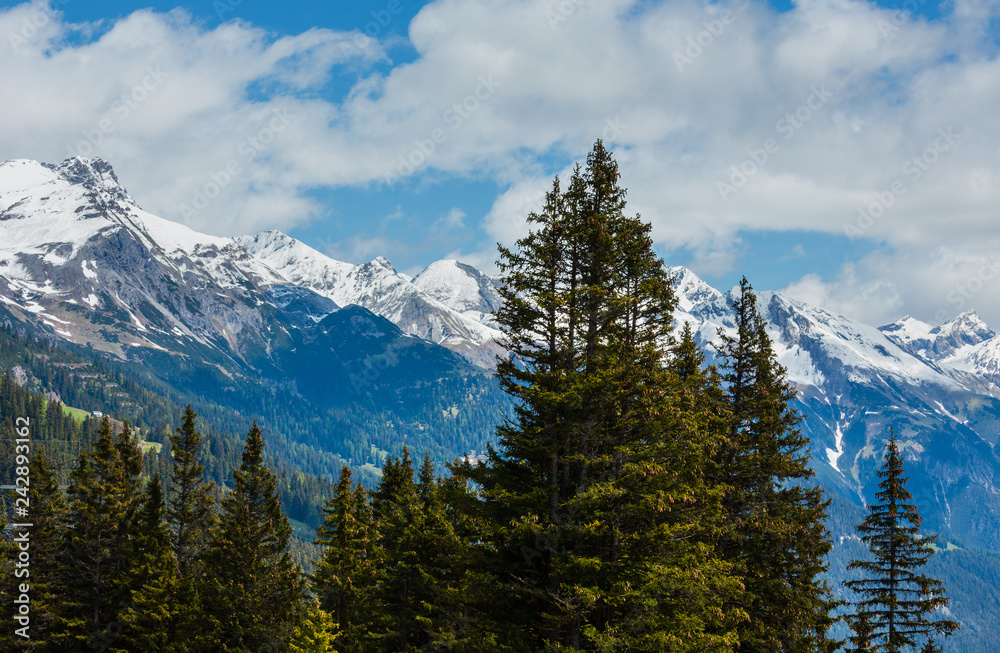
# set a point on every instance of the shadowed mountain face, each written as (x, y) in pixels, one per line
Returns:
(81, 262)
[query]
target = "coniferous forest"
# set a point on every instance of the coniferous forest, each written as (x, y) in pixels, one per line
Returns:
(637, 498)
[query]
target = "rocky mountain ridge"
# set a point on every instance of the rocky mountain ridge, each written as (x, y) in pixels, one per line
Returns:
(80, 260)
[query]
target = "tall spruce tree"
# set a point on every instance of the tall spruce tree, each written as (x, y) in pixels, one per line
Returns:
(776, 540)
(190, 516)
(896, 601)
(158, 618)
(345, 571)
(191, 506)
(401, 580)
(602, 526)
(48, 516)
(254, 590)
(98, 576)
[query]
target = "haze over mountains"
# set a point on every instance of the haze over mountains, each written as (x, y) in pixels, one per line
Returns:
(80, 261)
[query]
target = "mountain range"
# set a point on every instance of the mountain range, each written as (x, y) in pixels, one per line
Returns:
(82, 263)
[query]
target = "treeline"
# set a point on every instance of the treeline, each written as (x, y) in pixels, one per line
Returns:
(152, 413)
(316, 439)
(110, 564)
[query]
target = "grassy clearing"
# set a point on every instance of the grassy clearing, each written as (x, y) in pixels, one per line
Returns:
(77, 414)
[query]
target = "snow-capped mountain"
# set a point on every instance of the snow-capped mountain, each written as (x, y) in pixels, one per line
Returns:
(202, 316)
(76, 250)
(81, 261)
(854, 381)
(448, 303)
(940, 342)
(72, 236)
(461, 288)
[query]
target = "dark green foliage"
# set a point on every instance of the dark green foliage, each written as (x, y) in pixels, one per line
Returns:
(101, 550)
(253, 591)
(420, 561)
(190, 513)
(600, 521)
(896, 600)
(344, 573)
(159, 616)
(861, 638)
(776, 537)
(48, 516)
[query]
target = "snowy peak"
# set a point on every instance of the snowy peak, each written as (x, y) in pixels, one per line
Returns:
(966, 329)
(818, 347)
(941, 342)
(377, 286)
(93, 173)
(297, 262)
(460, 287)
(690, 289)
(20, 175)
(74, 201)
(907, 329)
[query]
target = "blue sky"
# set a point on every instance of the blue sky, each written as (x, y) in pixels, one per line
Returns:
(845, 152)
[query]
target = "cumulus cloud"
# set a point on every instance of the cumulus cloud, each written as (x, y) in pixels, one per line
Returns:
(930, 284)
(836, 116)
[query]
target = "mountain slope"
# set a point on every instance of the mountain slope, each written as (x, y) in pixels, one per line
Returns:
(854, 381)
(420, 306)
(82, 263)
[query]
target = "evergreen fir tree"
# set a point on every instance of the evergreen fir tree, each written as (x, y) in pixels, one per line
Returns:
(399, 583)
(254, 591)
(930, 646)
(153, 620)
(191, 516)
(861, 639)
(896, 601)
(344, 573)
(777, 539)
(601, 516)
(315, 632)
(101, 541)
(48, 516)
(191, 506)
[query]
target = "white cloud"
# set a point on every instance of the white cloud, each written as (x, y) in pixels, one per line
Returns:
(453, 220)
(933, 285)
(839, 94)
